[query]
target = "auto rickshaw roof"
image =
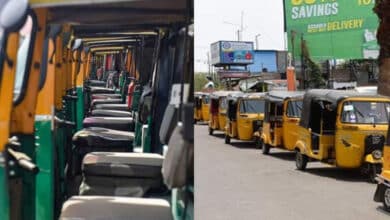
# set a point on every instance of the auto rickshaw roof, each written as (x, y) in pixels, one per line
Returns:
(280, 96)
(115, 19)
(241, 95)
(219, 94)
(331, 96)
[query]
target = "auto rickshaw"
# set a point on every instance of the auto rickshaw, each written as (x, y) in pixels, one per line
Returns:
(345, 129)
(218, 106)
(281, 120)
(382, 193)
(245, 114)
(202, 107)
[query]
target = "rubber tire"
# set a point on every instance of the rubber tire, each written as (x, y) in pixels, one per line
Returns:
(301, 160)
(373, 171)
(258, 143)
(211, 131)
(386, 205)
(227, 139)
(265, 148)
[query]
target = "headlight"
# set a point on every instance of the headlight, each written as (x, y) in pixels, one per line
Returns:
(377, 154)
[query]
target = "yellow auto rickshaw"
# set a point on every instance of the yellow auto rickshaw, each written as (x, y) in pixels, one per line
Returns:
(198, 107)
(245, 114)
(218, 106)
(202, 107)
(382, 193)
(343, 128)
(281, 120)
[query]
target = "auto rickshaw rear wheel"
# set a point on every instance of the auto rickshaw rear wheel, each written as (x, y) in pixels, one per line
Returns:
(265, 148)
(301, 160)
(386, 198)
(259, 143)
(211, 131)
(227, 139)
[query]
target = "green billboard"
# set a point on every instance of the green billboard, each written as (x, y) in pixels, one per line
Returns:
(332, 29)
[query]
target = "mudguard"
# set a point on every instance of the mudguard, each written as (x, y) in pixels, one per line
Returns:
(370, 159)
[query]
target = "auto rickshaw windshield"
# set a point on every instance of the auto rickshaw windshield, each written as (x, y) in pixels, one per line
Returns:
(294, 109)
(365, 112)
(252, 106)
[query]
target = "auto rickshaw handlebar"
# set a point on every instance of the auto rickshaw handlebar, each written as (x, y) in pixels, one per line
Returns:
(24, 161)
(71, 97)
(64, 123)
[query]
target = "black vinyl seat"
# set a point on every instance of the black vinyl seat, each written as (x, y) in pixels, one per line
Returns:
(106, 96)
(121, 174)
(118, 107)
(96, 83)
(101, 90)
(115, 123)
(105, 101)
(104, 139)
(110, 113)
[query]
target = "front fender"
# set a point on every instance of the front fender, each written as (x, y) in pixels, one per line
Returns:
(370, 159)
(301, 146)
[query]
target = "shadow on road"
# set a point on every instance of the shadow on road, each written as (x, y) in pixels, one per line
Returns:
(218, 135)
(382, 210)
(243, 145)
(289, 156)
(338, 174)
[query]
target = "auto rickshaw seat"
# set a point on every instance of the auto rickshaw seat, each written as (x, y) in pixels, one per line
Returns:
(110, 113)
(109, 207)
(115, 123)
(101, 90)
(121, 174)
(106, 96)
(118, 107)
(96, 83)
(95, 137)
(105, 101)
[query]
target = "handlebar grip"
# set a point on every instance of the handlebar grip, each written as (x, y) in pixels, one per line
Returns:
(28, 165)
(71, 97)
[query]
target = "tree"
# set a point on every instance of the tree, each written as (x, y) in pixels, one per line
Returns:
(382, 9)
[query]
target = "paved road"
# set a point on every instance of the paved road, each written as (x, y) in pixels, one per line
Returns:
(237, 182)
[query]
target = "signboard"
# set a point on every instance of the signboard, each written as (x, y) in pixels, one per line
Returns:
(223, 74)
(332, 29)
(232, 53)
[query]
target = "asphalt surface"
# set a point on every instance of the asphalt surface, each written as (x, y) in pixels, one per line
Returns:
(238, 182)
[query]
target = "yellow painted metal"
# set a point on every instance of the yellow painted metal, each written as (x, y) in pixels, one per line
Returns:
(285, 134)
(7, 88)
(76, 67)
(386, 163)
(46, 95)
(59, 76)
(23, 115)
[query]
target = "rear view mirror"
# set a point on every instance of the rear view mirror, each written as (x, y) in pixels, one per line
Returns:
(12, 13)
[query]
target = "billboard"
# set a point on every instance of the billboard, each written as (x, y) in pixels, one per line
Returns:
(231, 53)
(332, 29)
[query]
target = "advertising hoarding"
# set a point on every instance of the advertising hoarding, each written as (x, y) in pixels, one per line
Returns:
(232, 53)
(332, 29)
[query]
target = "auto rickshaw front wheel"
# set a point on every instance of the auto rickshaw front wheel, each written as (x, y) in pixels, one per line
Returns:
(373, 171)
(227, 139)
(211, 131)
(386, 199)
(301, 160)
(265, 148)
(258, 143)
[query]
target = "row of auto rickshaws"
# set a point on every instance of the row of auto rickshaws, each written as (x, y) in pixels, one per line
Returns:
(94, 120)
(342, 128)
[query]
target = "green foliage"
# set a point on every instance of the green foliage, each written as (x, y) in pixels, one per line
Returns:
(199, 81)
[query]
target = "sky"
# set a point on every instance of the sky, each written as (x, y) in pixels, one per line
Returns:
(264, 17)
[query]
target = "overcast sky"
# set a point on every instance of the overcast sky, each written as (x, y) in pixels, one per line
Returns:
(263, 17)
